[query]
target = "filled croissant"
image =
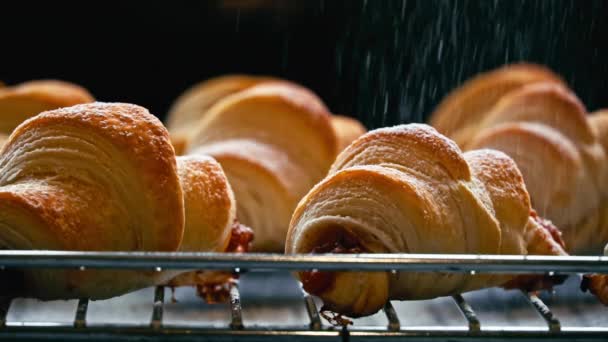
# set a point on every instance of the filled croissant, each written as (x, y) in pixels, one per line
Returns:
(104, 177)
(543, 126)
(408, 189)
(22, 101)
(274, 141)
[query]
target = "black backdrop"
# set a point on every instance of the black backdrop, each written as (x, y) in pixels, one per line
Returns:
(382, 61)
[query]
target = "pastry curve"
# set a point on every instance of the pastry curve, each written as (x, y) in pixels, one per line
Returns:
(408, 189)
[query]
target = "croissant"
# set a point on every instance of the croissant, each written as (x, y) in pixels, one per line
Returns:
(192, 106)
(194, 103)
(458, 115)
(211, 225)
(544, 128)
(210, 207)
(93, 177)
(25, 100)
(274, 142)
(408, 189)
(597, 284)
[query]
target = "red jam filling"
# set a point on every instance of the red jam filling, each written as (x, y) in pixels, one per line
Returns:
(536, 282)
(556, 234)
(316, 282)
(215, 285)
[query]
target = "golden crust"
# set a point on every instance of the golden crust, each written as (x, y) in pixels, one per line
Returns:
(93, 177)
(286, 99)
(193, 104)
(203, 95)
(278, 133)
(423, 140)
(541, 124)
(139, 135)
(464, 107)
(24, 100)
(504, 183)
(408, 189)
(56, 92)
(210, 207)
(548, 103)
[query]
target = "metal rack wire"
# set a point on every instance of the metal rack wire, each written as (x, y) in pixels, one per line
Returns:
(314, 328)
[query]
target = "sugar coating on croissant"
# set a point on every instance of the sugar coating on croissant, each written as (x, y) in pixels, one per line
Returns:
(274, 142)
(210, 207)
(543, 126)
(22, 101)
(91, 177)
(408, 189)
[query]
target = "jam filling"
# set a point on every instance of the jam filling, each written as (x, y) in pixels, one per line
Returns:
(536, 282)
(240, 238)
(214, 286)
(556, 234)
(316, 282)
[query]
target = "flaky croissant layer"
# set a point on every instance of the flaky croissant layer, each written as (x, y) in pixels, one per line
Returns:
(274, 139)
(22, 101)
(408, 189)
(94, 177)
(529, 113)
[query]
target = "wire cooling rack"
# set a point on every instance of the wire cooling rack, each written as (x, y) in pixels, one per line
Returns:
(269, 304)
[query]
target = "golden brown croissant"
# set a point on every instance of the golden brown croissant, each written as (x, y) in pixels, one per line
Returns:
(210, 207)
(194, 104)
(274, 142)
(191, 106)
(544, 128)
(597, 284)
(408, 189)
(461, 111)
(211, 225)
(93, 177)
(25, 100)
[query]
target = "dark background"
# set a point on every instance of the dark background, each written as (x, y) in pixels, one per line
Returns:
(384, 62)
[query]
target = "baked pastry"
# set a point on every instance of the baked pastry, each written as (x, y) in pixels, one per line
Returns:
(458, 115)
(274, 141)
(92, 177)
(104, 177)
(597, 284)
(408, 189)
(347, 130)
(192, 105)
(210, 207)
(19, 102)
(211, 225)
(543, 127)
